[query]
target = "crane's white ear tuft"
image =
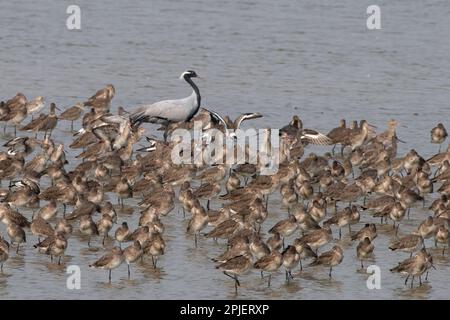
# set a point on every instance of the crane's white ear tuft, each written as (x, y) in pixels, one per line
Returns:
(182, 75)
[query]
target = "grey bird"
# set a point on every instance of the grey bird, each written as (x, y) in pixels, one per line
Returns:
(169, 111)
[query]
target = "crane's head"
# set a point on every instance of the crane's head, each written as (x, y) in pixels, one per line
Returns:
(188, 74)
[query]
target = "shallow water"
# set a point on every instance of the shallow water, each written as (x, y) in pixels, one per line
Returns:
(313, 59)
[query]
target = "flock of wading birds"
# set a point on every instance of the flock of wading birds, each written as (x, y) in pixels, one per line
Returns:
(368, 176)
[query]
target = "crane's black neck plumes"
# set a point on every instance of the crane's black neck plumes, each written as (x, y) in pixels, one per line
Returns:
(197, 92)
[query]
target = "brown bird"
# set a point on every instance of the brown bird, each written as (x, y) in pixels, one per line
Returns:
(364, 250)
(14, 111)
(339, 134)
(16, 234)
(40, 227)
(122, 233)
(101, 99)
(4, 252)
(49, 122)
(369, 231)
(409, 243)
(438, 135)
(32, 125)
(415, 266)
(109, 261)
(330, 258)
(72, 114)
(317, 238)
(235, 267)
(35, 105)
(88, 227)
(270, 263)
(132, 253)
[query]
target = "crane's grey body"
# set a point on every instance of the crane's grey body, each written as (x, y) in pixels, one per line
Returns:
(167, 111)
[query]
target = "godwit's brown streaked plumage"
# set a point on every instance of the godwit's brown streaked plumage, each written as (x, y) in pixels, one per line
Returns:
(285, 227)
(304, 250)
(88, 227)
(442, 237)
(14, 111)
(132, 253)
(330, 258)
(41, 228)
(72, 114)
(155, 247)
(368, 231)
(198, 222)
(122, 233)
(409, 243)
(438, 135)
(364, 250)
(4, 252)
(49, 122)
(317, 238)
(109, 261)
(101, 99)
(35, 105)
(415, 266)
(235, 267)
(104, 225)
(290, 259)
(16, 234)
(270, 263)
